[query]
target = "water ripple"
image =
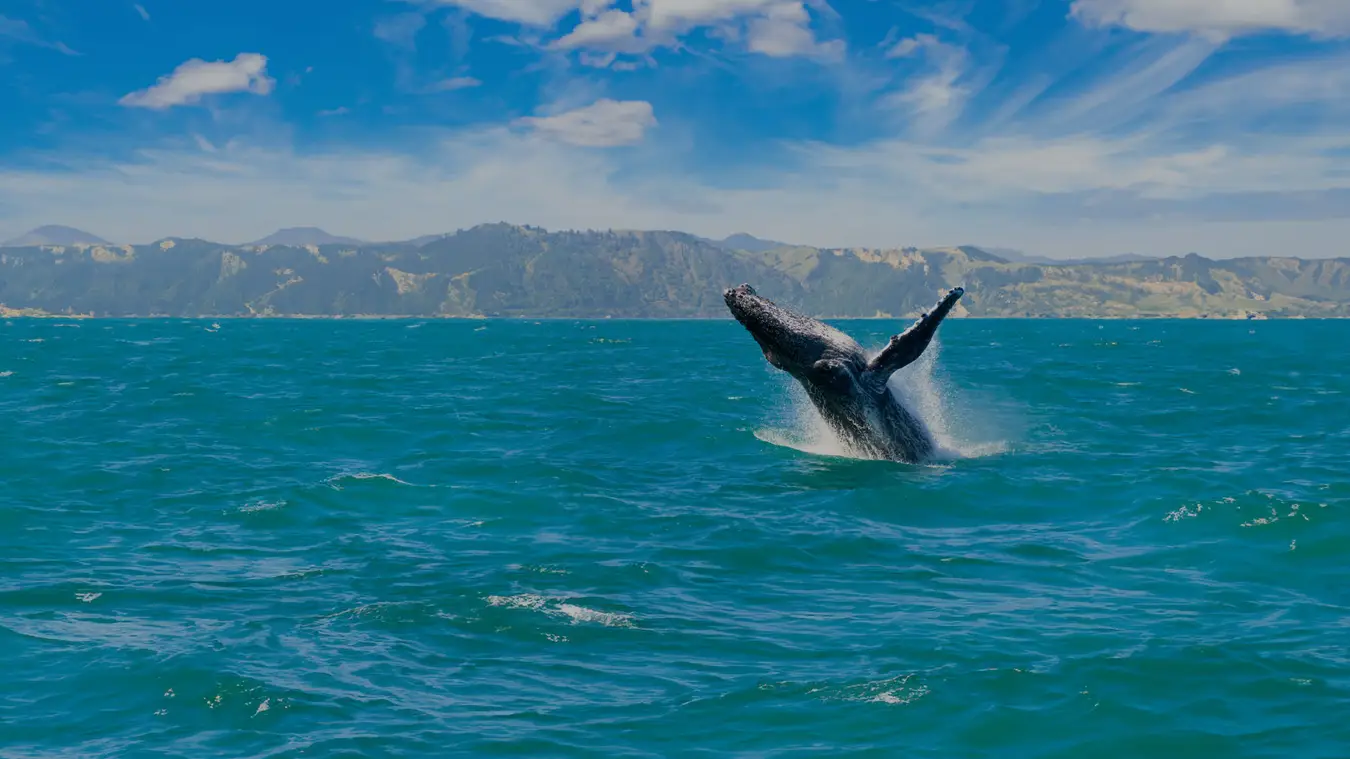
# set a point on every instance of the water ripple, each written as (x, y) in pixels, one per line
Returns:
(584, 538)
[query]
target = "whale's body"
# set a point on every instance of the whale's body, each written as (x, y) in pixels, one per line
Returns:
(848, 388)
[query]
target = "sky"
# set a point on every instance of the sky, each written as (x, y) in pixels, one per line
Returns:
(1065, 128)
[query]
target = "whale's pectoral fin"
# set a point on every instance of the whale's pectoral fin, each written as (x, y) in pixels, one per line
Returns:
(906, 347)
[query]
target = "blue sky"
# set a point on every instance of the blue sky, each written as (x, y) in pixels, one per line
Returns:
(1060, 127)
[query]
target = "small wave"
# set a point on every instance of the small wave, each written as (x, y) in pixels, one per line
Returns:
(6, 374)
(523, 601)
(892, 690)
(256, 506)
(606, 618)
(558, 607)
(895, 690)
(543, 570)
(335, 480)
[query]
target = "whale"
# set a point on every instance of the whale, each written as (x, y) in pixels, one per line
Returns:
(846, 385)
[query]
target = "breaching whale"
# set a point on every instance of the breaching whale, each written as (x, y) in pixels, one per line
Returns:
(846, 387)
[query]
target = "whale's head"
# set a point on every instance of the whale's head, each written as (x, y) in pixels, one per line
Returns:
(806, 348)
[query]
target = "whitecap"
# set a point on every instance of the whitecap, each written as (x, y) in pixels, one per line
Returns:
(334, 481)
(606, 618)
(559, 607)
(894, 691)
(523, 601)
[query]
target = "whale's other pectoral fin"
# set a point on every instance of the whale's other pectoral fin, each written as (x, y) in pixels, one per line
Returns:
(906, 347)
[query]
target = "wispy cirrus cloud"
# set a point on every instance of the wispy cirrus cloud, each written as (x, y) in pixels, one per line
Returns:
(1219, 18)
(20, 31)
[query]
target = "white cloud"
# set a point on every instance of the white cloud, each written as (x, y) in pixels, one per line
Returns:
(531, 12)
(689, 14)
(911, 45)
(453, 83)
(1219, 18)
(608, 30)
(778, 28)
(784, 30)
(195, 78)
(604, 123)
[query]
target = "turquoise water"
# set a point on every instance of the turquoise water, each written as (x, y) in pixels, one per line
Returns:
(342, 539)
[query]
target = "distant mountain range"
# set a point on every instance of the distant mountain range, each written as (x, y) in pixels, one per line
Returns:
(1011, 254)
(300, 236)
(54, 234)
(509, 270)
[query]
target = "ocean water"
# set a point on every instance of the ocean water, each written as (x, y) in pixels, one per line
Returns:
(627, 538)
